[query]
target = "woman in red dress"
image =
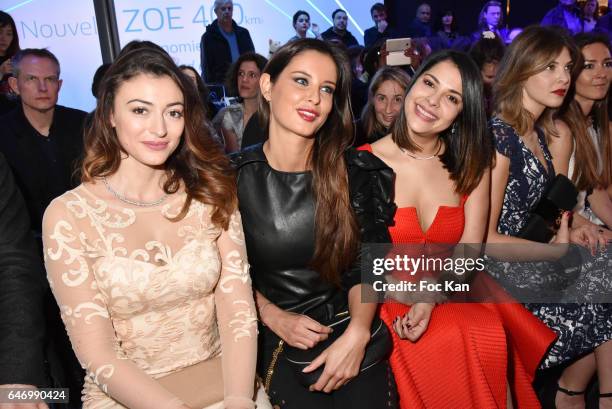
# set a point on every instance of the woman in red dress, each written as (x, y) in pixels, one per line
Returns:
(464, 355)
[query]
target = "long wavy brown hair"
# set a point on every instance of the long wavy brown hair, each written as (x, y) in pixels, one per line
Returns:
(198, 163)
(587, 175)
(529, 54)
(336, 230)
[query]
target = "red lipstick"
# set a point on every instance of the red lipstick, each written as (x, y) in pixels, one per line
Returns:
(308, 115)
(561, 92)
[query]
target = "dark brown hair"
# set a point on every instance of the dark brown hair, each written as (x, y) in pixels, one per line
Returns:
(368, 116)
(336, 230)
(586, 175)
(482, 20)
(529, 54)
(487, 50)
(469, 148)
(200, 86)
(7, 20)
(231, 79)
(197, 163)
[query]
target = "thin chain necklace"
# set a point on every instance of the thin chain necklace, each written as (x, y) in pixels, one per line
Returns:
(413, 156)
(130, 201)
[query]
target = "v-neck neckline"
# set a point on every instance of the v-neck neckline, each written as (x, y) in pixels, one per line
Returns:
(425, 232)
(547, 166)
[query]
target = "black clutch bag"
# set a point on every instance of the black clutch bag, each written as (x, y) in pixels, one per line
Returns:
(377, 349)
(544, 221)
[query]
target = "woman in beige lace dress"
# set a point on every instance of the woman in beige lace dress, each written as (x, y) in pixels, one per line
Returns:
(146, 257)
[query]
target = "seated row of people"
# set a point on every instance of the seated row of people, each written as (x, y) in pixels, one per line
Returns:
(147, 258)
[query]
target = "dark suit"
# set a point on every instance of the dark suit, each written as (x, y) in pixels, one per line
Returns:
(42, 177)
(22, 293)
(44, 169)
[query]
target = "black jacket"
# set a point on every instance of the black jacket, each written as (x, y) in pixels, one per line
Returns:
(215, 53)
(22, 293)
(348, 39)
(20, 145)
(372, 36)
(277, 211)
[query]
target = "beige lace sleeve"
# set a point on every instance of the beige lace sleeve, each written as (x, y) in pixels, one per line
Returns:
(236, 317)
(68, 259)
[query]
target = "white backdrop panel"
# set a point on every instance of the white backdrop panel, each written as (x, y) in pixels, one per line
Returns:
(68, 28)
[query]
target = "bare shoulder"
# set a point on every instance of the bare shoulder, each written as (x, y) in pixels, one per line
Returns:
(384, 147)
(564, 133)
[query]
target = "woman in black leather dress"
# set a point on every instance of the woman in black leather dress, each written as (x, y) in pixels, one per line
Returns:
(306, 203)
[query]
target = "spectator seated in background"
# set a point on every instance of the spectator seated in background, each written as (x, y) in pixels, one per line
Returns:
(385, 100)
(339, 32)
(42, 141)
(381, 29)
(491, 18)
(566, 15)
(301, 24)
(242, 81)
(589, 13)
(487, 52)
(9, 45)
(222, 43)
(447, 34)
(421, 25)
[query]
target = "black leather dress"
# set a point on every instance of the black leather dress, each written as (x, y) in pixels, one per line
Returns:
(277, 211)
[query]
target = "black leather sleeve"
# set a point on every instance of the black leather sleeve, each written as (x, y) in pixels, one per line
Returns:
(371, 185)
(22, 290)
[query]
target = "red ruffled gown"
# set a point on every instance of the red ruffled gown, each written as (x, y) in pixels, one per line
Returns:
(462, 359)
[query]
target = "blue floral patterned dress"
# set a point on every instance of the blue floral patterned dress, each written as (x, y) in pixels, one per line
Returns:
(580, 327)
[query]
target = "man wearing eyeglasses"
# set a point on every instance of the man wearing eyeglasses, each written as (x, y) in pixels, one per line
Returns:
(222, 43)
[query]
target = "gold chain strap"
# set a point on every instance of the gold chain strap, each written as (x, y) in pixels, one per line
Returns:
(272, 365)
(275, 355)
